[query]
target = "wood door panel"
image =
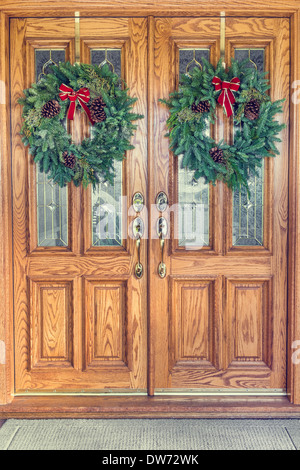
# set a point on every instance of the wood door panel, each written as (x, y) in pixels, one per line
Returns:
(69, 265)
(52, 320)
(106, 324)
(187, 28)
(80, 313)
(245, 265)
(194, 315)
(249, 318)
(195, 379)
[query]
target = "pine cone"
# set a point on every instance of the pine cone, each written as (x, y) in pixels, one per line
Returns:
(252, 109)
(50, 109)
(217, 155)
(201, 107)
(97, 110)
(69, 160)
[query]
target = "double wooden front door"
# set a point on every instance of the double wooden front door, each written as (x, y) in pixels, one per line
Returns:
(83, 320)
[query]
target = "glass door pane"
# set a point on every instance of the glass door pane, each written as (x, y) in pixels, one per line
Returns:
(52, 201)
(107, 198)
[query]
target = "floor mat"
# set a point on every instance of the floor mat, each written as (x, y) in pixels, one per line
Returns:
(156, 434)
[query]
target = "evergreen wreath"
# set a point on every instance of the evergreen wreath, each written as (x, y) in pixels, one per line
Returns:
(99, 93)
(193, 110)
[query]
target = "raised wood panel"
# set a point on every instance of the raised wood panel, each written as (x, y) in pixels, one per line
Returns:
(195, 316)
(64, 28)
(106, 314)
(51, 324)
(249, 310)
(258, 28)
(192, 323)
(192, 28)
(249, 319)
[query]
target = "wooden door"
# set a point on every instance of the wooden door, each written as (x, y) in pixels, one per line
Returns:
(219, 315)
(80, 314)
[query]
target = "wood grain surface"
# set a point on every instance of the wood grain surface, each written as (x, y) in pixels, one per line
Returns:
(55, 8)
(149, 407)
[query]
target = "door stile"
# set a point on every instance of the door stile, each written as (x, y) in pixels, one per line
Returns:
(6, 260)
(293, 370)
(159, 182)
(150, 195)
(168, 37)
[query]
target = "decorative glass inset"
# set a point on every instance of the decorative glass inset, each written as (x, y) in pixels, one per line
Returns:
(193, 209)
(248, 212)
(188, 59)
(111, 56)
(107, 198)
(107, 211)
(44, 58)
(52, 201)
(193, 196)
(52, 212)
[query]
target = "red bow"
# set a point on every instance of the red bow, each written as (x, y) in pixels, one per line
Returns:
(226, 97)
(83, 96)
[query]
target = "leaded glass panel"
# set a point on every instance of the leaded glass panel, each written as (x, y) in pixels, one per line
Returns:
(52, 212)
(193, 196)
(248, 211)
(111, 56)
(106, 197)
(52, 201)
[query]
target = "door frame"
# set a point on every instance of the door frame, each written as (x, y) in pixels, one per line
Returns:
(15, 8)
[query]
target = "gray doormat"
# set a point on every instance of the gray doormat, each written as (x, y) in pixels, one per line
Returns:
(150, 434)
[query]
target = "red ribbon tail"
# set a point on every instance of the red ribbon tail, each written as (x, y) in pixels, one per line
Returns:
(228, 106)
(229, 110)
(71, 110)
(221, 98)
(87, 112)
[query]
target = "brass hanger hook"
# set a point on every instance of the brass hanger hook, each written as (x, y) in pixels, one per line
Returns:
(250, 60)
(191, 62)
(50, 61)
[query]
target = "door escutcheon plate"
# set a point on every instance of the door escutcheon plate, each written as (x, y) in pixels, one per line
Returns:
(161, 201)
(138, 202)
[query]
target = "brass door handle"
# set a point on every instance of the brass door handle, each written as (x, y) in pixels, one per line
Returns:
(138, 230)
(139, 270)
(162, 268)
(162, 229)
